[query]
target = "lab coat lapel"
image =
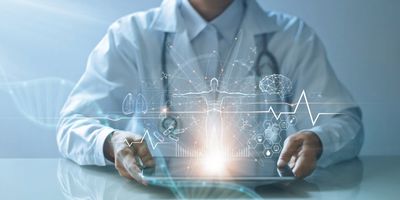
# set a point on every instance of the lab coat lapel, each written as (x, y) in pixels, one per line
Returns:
(166, 17)
(239, 67)
(183, 59)
(186, 61)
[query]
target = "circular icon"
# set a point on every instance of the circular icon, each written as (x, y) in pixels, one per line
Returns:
(259, 138)
(267, 153)
(267, 124)
(276, 148)
(292, 119)
(283, 125)
(169, 123)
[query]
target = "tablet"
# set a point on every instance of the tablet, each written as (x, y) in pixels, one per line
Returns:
(195, 169)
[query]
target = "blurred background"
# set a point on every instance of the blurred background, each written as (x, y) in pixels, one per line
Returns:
(44, 45)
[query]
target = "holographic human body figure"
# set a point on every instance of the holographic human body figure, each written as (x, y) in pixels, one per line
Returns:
(214, 99)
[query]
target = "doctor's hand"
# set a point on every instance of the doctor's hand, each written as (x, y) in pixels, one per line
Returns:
(129, 154)
(301, 152)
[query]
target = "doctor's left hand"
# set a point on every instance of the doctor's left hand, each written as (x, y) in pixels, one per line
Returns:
(128, 159)
(301, 152)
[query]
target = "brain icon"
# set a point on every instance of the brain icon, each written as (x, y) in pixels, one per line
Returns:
(276, 84)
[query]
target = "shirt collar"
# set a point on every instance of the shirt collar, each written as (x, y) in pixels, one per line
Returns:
(192, 19)
(168, 18)
(223, 23)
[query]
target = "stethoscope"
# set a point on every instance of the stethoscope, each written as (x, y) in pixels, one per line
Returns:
(169, 123)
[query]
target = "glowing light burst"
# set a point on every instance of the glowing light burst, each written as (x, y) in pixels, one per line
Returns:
(214, 162)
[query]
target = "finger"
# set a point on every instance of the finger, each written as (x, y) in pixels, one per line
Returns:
(146, 158)
(132, 168)
(144, 154)
(127, 166)
(133, 152)
(290, 147)
(305, 164)
(292, 162)
(148, 161)
(121, 169)
(136, 173)
(124, 152)
(142, 150)
(127, 156)
(122, 172)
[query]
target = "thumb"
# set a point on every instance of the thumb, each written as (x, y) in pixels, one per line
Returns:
(289, 149)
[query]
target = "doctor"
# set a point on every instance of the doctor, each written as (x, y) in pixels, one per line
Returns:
(133, 50)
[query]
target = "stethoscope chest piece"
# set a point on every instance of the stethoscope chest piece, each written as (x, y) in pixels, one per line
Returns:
(169, 123)
(169, 127)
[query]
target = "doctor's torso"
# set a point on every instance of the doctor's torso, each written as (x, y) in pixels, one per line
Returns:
(160, 59)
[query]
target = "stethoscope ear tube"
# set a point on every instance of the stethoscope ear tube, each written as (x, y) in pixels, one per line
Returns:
(265, 39)
(168, 124)
(165, 71)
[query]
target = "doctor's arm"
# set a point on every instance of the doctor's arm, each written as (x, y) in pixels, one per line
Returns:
(86, 134)
(335, 137)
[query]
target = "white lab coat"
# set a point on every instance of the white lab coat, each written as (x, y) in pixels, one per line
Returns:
(128, 59)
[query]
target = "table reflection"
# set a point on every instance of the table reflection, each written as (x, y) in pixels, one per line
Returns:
(342, 179)
(99, 183)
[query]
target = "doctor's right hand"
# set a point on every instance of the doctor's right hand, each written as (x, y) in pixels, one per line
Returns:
(129, 154)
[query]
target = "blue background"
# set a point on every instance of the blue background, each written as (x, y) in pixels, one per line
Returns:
(52, 38)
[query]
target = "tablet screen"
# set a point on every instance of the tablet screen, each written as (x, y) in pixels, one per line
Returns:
(208, 169)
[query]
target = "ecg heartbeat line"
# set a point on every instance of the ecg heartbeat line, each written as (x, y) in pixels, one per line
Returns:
(303, 95)
(151, 142)
(277, 115)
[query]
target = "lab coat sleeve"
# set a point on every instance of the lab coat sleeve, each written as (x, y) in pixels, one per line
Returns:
(110, 74)
(341, 132)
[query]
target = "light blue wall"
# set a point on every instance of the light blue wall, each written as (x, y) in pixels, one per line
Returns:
(47, 38)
